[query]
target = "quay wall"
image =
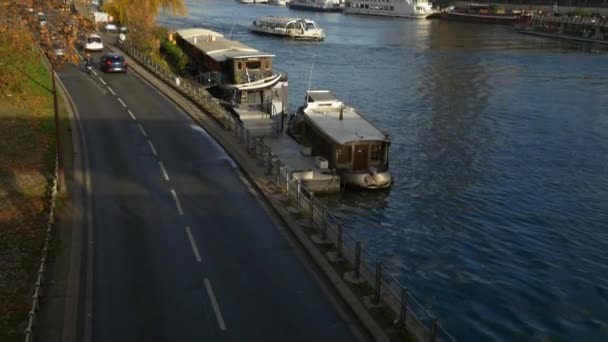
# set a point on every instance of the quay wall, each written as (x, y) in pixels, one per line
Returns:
(600, 7)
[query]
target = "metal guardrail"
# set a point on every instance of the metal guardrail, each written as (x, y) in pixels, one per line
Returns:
(388, 291)
(36, 296)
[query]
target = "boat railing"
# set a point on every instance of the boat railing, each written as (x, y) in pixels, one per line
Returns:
(368, 276)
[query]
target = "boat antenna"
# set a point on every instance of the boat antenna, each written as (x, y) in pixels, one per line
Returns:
(230, 35)
(312, 65)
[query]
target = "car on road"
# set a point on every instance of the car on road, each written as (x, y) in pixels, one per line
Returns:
(93, 43)
(113, 62)
(58, 50)
(111, 27)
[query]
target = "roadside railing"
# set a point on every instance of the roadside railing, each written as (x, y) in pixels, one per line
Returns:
(326, 229)
(37, 294)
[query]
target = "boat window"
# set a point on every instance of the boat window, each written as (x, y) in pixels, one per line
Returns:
(267, 65)
(254, 65)
(239, 66)
(310, 26)
(376, 152)
(344, 154)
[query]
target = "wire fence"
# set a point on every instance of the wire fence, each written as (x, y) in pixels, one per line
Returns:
(38, 286)
(327, 229)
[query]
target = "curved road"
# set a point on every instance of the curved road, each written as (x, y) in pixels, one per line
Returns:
(184, 251)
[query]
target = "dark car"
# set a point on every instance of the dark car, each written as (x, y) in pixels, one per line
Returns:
(113, 62)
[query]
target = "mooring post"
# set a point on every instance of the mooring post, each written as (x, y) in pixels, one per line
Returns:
(403, 310)
(378, 287)
(269, 162)
(339, 242)
(299, 189)
(433, 328)
(278, 166)
(311, 207)
(324, 225)
(357, 270)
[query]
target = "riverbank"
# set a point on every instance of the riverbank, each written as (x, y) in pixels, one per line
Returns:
(28, 153)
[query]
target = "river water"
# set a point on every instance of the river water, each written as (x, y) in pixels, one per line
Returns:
(498, 218)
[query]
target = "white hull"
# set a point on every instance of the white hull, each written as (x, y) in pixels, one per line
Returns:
(394, 8)
(253, 1)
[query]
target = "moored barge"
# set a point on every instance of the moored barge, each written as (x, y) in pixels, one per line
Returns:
(349, 143)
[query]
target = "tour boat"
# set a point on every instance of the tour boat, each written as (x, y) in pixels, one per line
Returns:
(317, 5)
(416, 9)
(352, 145)
(294, 28)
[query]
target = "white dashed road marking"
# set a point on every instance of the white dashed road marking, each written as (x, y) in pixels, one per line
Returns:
(111, 91)
(193, 244)
(152, 148)
(141, 129)
(101, 80)
(95, 73)
(122, 103)
(162, 169)
(132, 116)
(179, 206)
(216, 307)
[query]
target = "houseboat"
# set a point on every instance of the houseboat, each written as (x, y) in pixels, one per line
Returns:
(582, 29)
(485, 13)
(317, 5)
(234, 72)
(352, 146)
(416, 9)
(294, 28)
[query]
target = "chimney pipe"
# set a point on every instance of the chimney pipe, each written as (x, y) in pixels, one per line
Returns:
(341, 113)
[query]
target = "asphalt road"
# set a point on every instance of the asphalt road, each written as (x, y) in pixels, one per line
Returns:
(184, 251)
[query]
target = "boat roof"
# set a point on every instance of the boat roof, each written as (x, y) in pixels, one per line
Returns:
(217, 47)
(281, 20)
(323, 110)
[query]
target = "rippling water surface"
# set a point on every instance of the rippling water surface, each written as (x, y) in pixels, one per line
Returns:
(498, 218)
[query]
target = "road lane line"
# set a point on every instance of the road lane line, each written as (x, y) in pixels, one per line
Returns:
(193, 244)
(216, 307)
(95, 73)
(179, 205)
(142, 130)
(111, 91)
(152, 148)
(101, 80)
(122, 103)
(162, 168)
(132, 115)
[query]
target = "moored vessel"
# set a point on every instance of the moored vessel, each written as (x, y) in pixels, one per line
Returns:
(347, 141)
(485, 13)
(583, 29)
(317, 5)
(417, 9)
(294, 28)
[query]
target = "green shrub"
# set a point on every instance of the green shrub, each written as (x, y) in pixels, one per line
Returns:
(174, 55)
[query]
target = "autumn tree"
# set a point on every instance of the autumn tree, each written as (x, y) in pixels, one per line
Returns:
(140, 16)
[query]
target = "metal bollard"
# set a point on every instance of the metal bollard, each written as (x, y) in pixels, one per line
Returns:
(324, 225)
(403, 311)
(278, 166)
(299, 189)
(287, 183)
(339, 242)
(378, 286)
(269, 162)
(311, 207)
(433, 329)
(357, 270)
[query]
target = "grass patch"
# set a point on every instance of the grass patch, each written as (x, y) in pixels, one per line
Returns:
(27, 148)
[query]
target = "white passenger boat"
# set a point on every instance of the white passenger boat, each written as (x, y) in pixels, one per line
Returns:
(278, 2)
(417, 9)
(295, 28)
(253, 1)
(351, 145)
(317, 5)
